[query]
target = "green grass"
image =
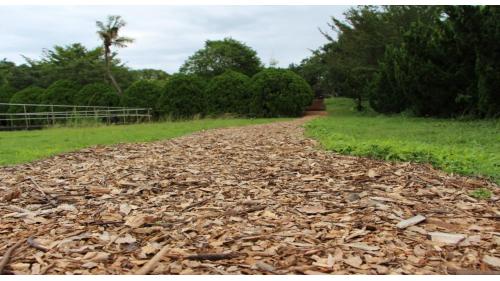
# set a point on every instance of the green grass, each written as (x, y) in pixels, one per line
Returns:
(463, 147)
(481, 193)
(24, 146)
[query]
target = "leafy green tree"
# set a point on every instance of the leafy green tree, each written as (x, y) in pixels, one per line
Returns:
(142, 93)
(23, 76)
(182, 96)
(228, 93)
(150, 74)
(62, 92)
(5, 69)
(108, 33)
(388, 89)
(439, 68)
(6, 93)
(487, 62)
(97, 94)
(73, 62)
(220, 55)
(29, 95)
(352, 56)
(315, 71)
(279, 92)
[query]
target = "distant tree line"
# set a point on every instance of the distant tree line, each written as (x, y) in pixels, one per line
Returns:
(423, 60)
(224, 77)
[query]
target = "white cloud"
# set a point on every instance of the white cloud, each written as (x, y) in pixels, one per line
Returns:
(167, 35)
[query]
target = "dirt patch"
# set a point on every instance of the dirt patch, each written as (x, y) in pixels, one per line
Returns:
(250, 200)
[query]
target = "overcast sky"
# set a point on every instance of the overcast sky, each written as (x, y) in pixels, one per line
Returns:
(167, 35)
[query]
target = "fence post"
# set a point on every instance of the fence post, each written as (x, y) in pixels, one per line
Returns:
(53, 115)
(149, 115)
(26, 116)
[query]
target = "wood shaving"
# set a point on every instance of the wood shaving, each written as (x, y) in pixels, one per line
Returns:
(264, 192)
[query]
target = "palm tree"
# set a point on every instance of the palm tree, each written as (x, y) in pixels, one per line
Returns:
(109, 34)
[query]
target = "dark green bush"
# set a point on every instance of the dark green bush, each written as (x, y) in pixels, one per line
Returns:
(279, 92)
(97, 94)
(228, 93)
(6, 93)
(387, 93)
(142, 93)
(30, 95)
(62, 92)
(182, 96)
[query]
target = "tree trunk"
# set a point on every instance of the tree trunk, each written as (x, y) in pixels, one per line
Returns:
(359, 105)
(108, 71)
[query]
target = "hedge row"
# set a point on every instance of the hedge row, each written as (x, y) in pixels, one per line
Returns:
(269, 93)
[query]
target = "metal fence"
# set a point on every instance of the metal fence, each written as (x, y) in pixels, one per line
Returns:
(28, 116)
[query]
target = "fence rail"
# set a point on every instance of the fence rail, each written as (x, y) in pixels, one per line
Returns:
(28, 116)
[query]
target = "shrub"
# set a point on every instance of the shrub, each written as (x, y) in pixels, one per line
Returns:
(228, 93)
(141, 93)
(387, 93)
(61, 92)
(98, 94)
(279, 92)
(32, 95)
(6, 93)
(182, 96)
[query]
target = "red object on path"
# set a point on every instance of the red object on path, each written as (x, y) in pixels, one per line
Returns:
(317, 107)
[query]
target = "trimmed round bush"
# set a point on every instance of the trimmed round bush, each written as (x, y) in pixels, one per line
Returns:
(182, 96)
(61, 92)
(97, 94)
(279, 93)
(141, 93)
(30, 95)
(228, 93)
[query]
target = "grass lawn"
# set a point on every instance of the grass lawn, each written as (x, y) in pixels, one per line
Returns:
(464, 147)
(23, 146)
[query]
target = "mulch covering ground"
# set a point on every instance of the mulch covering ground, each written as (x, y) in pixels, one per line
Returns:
(251, 200)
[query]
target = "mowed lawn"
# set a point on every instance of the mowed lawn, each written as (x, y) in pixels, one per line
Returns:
(464, 147)
(24, 146)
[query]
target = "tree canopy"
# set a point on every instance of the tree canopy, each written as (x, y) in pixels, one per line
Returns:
(427, 60)
(220, 55)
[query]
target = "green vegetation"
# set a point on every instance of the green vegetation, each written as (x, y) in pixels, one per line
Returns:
(438, 61)
(464, 147)
(99, 94)
(182, 96)
(215, 80)
(220, 55)
(279, 92)
(61, 92)
(481, 193)
(143, 93)
(24, 146)
(30, 95)
(228, 93)
(108, 32)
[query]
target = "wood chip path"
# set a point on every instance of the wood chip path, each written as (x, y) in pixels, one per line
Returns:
(250, 200)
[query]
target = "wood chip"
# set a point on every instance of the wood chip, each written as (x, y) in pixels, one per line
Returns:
(363, 246)
(265, 193)
(492, 261)
(354, 261)
(411, 221)
(447, 238)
